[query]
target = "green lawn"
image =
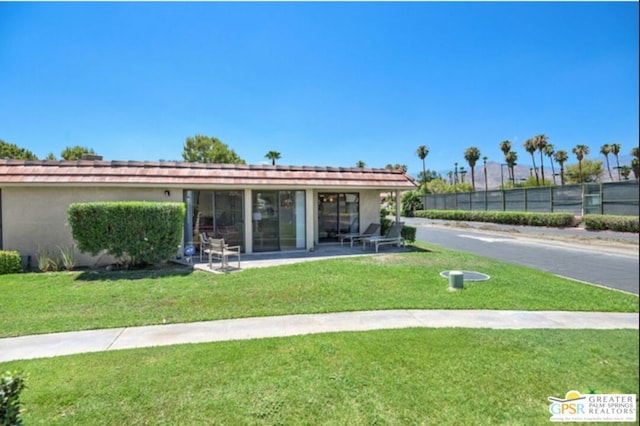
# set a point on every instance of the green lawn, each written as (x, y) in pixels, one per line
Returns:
(38, 303)
(394, 377)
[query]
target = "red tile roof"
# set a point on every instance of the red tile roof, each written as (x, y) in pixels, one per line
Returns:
(183, 174)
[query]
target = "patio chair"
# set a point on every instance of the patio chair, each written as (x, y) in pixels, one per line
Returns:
(204, 244)
(371, 231)
(222, 251)
(393, 236)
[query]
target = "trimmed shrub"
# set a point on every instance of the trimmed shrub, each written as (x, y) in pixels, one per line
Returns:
(11, 384)
(556, 220)
(599, 222)
(134, 232)
(408, 233)
(10, 262)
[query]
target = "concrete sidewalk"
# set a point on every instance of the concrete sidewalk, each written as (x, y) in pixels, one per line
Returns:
(57, 344)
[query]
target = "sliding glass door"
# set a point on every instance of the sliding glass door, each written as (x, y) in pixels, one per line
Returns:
(338, 213)
(278, 220)
(215, 214)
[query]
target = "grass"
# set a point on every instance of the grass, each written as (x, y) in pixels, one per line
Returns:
(40, 303)
(393, 377)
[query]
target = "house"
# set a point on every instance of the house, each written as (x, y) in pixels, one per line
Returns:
(259, 207)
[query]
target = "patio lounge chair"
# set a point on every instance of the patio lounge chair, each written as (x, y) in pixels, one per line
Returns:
(222, 251)
(393, 236)
(371, 231)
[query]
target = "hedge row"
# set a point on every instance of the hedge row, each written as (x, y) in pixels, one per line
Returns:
(557, 220)
(135, 232)
(10, 262)
(602, 222)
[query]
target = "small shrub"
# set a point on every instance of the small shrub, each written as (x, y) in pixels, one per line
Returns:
(45, 262)
(10, 262)
(67, 258)
(408, 233)
(11, 384)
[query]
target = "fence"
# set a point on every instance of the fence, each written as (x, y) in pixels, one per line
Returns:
(615, 198)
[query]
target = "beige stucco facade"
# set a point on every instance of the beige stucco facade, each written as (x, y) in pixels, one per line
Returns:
(35, 218)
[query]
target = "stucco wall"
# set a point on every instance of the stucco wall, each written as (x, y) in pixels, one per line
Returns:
(36, 218)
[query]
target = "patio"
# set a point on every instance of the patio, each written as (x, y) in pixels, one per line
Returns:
(324, 251)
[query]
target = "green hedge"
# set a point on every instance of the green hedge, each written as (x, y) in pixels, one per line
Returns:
(10, 262)
(408, 233)
(602, 222)
(557, 220)
(135, 232)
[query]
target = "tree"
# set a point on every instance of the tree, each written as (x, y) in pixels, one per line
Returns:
(511, 159)
(549, 151)
(9, 150)
(505, 147)
(615, 150)
(422, 152)
(396, 167)
(635, 162)
(585, 171)
(273, 156)
(426, 177)
(75, 152)
(484, 161)
(580, 151)
(531, 147)
(561, 157)
(472, 155)
(205, 149)
(361, 164)
(540, 142)
(606, 150)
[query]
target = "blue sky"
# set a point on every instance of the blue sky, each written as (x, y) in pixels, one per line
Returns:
(326, 83)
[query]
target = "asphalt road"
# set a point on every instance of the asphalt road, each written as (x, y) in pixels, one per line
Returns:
(606, 259)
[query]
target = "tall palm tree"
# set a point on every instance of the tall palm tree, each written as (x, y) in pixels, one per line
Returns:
(273, 156)
(422, 152)
(541, 142)
(606, 150)
(635, 162)
(531, 147)
(505, 147)
(484, 160)
(463, 173)
(549, 151)
(511, 159)
(561, 156)
(472, 155)
(580, 151)
(615, 150)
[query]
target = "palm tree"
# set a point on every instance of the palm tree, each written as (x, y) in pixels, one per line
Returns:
(531, 147)
(422, 152)
(463, 172)
(635, 162)
(472, 155)
(561, 156)
(505, 147)
(606, 150)
(273, 156)
(511, 159)
(484, 160)
(549, 151)
(541, 142)
(580, 151)
(361, 164)
(615, 150)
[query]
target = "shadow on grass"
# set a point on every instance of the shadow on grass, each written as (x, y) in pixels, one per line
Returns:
(156, 271)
